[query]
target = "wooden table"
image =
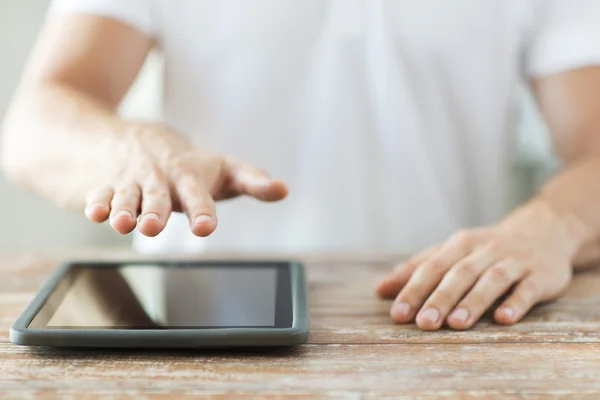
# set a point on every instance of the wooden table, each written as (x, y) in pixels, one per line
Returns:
(355, 352)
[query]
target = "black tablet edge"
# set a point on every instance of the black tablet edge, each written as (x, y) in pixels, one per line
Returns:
(19, 332)
(298, 334)
(301, 323)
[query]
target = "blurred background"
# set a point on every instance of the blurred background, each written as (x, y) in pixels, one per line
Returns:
(28, 222)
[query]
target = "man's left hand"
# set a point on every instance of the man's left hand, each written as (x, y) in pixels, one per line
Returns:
(526, 258)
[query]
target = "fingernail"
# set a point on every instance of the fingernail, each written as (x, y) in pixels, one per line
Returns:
(431, 315)
(461, 314)
(401, 309)
(123, 213)
(201, 219)
(151, 217)
(508, 312)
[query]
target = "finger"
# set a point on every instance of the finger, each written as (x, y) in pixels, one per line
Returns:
(124, 208)
(156, 207)
(197, 203)
(391, 286)
(255, 182)
(97, 207)
(526, 294)
(454, 285)
(427, 276)
(494, 282)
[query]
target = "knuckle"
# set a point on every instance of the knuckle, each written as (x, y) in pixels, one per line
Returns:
(530, 285)
(189, 202)
(127, 189)
(189, 191)
(523, 299)
(464, 236)
(155, 170)
(495, 244)
(261, 172)
(119, 172)
(124, 207)
(441, 297)
(182, 170)
(152, 174)
(408, 265)
(211, 159)
(157, 204)
(157, 193)
(532, 288)
(123, 201)
(408, 296)
(101, 191)
(128, 197)
(196, 198)
(465, 268)
(211, 163)
(500, 274)
(437, 266)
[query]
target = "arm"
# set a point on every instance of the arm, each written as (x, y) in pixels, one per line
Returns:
(528, 257)
(62, 116)
(63, 140)
(570, 103)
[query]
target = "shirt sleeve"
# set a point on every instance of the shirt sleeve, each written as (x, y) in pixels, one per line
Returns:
(564, 35)
(135, 13)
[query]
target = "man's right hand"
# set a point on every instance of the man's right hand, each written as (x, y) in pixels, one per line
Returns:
(63, 139)
(158, 172)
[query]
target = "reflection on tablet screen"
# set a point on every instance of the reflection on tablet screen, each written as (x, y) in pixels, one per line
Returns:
(162, 297)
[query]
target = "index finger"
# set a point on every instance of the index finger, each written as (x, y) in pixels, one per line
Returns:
(393, 283)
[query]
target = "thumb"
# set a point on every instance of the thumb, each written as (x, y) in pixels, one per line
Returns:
(254, 182)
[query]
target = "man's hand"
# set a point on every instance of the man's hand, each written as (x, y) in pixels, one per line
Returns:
(64, 140)
(158, 171)
(527, 257)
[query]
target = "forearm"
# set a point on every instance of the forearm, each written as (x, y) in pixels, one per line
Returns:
(569, 205)
(59, 142)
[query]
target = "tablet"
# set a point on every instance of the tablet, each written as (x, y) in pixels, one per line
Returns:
(168, 305)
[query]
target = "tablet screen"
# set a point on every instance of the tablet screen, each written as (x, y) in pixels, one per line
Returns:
(182, 296)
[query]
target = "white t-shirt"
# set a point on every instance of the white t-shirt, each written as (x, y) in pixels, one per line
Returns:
(391, 121)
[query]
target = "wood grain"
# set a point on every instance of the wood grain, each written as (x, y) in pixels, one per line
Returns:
(355, 352)
(312, 369)
(344, 309)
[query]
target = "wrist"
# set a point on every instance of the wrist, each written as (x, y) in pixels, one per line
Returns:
(545, 222)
